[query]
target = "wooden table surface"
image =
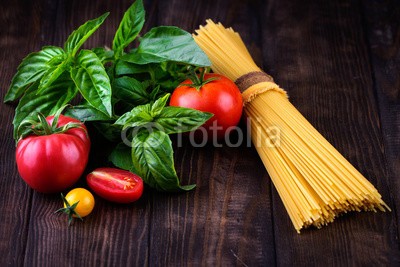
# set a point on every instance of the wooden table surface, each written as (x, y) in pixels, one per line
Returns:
(339, 62)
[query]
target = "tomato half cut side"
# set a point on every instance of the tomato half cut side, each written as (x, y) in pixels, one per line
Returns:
(115, 185)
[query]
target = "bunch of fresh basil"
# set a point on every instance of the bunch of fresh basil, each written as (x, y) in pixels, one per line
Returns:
(120, 92)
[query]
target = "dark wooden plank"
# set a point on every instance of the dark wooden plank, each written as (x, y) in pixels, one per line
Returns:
(383, 32)
(226, 219)
(317, 51)
(19, 20)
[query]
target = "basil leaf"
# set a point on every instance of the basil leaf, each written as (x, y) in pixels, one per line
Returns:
(179, 120)
(166, 75)
(152, 158)
(123, 67)
(121, 157)
(158, 105)
(105, 55)
(130, 90)
(167, 43)
(85, 112)
(170, 74)
(130, 26)
(30, 70)
(156, 93)
(92, 81)
(80, 35)
(52, 74)
(135, 117)
(109, 131)
(59, 93)
(142, 114)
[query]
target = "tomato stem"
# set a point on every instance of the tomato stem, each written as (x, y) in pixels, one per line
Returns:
(198, 80)
(46, 127)
(69, 210)
(40, 126)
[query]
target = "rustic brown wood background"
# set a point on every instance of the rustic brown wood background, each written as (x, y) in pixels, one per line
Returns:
(340, 63)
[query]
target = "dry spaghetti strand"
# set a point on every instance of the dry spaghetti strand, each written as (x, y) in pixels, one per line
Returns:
(315, 182)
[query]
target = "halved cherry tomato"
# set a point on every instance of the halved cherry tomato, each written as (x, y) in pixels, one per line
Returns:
(115, 185)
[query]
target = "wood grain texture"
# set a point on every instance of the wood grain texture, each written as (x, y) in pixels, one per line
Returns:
(339, 61)
(383, 32)
(318, 53)
(15, 204)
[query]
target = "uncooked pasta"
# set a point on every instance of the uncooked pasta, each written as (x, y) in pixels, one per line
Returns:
(315, 182)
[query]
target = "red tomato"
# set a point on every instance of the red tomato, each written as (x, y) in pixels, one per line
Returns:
(220, 97)
(115, 185)
(52, 163)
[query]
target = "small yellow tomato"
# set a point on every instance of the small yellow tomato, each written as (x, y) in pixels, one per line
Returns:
(84, 199)
(78, 203)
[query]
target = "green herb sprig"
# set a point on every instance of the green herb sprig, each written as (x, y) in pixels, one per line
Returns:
(119, 88)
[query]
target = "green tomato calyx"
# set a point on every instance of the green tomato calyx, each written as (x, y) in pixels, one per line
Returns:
(40, 126)
(198, 80)
(69, 210)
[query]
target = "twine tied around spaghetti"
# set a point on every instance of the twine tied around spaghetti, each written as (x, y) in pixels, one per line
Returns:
(254, 83)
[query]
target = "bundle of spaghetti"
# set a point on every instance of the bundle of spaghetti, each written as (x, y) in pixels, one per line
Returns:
(315, 182)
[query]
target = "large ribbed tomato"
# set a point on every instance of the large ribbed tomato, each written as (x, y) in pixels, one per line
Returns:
(212, 93)
(55, 160)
